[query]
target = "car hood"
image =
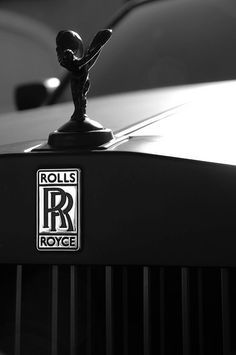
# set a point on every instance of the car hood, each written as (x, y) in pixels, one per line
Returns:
(115, 111)
(141, 195)
(191, 122)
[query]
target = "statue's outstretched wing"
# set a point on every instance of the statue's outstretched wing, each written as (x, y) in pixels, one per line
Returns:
(100, 39)
(95, 47)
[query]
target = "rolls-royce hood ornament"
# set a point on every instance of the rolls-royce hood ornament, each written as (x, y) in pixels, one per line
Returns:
(80, 131)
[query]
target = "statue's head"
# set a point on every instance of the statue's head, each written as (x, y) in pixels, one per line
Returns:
(70, 40)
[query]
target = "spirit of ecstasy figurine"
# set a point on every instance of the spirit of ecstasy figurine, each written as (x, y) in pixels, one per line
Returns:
(80, 131)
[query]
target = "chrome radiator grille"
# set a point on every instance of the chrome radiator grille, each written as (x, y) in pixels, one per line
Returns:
(113, 310)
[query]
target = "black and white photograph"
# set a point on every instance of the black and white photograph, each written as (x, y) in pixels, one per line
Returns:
(118, 177)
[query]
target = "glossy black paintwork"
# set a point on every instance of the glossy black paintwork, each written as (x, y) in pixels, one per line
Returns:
(136, 209)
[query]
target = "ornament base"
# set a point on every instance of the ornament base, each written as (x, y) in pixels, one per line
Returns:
(80, 134)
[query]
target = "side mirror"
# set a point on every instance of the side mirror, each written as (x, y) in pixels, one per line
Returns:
(32, 95)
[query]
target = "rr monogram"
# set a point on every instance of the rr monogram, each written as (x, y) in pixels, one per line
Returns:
(59, 209)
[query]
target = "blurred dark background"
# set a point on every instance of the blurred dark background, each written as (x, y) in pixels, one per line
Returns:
(85, 16)
(27, 35)
(162, 43)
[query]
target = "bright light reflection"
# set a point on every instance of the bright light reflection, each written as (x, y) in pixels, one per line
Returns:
(28, 150)
(52, 83)
(202, 130)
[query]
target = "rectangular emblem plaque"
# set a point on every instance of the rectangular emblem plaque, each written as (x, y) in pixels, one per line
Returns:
(58, 209)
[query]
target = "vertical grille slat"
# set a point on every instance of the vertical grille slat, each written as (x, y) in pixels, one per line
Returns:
(225, 310)
(146, 310)
(89, 311)
(200, 312)
(54, 339)
(162, 310)
(109, 311)
(125, 310)
(185, 310)
(72, 309)
(18, 309)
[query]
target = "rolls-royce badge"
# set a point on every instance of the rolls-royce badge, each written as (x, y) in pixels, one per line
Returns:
(58, 209)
